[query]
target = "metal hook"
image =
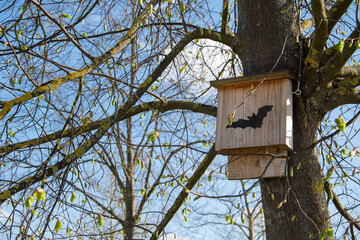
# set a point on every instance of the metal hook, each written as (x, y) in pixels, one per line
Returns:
(297, 92)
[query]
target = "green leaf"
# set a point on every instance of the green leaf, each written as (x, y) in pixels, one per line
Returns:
(182, 178)
(353, 152)
(18, 33)
(86, 121)
(329, 159)
(340, 123)
(58, 226)
(64, 15)
(39, 194)
(168, 11)
(100, 220)
(329, 232)
(73, 197)
(329, 173)
(12, 134)
(210, 177)
(204, 123)
(218, 36)
(12, 82)
(24, 48)
(197, 198)
(182, 7)
(344, 151)
(354, 171)
(201, 31)
(84, 34)
(143, 191)
(291, 171)
(140, 2)
(151, 9)
(29, 201)
(357, 44)
(340, 46)
(152, 136)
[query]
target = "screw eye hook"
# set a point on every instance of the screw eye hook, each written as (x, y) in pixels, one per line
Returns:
(297, 92)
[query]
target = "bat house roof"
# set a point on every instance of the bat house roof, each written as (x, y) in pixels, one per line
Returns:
(253, 78)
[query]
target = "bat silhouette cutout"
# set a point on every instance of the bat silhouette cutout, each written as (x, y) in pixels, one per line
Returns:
(254, 121)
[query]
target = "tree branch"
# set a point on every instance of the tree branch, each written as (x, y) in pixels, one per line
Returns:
(81, 73)
(312, 60)
(123, 109)
(225, 16)
(77, 45)
(350, 72)
(75, 131)
(336, 12)
(341, 95)
(339, 206)
(185, 192)
(338, 61)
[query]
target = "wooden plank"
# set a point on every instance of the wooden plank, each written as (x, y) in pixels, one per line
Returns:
(247, 164)
(253, 78)
(276, 125)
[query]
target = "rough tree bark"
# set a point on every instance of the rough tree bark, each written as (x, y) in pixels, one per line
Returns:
(266, 41)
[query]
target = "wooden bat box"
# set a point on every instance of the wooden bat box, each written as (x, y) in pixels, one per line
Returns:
(260, 133)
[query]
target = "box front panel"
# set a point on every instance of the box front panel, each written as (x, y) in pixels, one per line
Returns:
(262, 117)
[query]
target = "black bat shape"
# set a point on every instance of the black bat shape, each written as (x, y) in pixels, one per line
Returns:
(254, 121)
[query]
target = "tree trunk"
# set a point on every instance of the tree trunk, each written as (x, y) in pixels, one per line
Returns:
(263, 30)
(294, 207)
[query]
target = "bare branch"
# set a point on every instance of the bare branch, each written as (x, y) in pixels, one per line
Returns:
(225, 16)
(336, 12)
(88, 55)
(339, 206)
(185, 192)
(104, 127)
(342, 94)
(338, 61)
(73, 132)
(317, 46)
(349, 72)
(81, 73)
